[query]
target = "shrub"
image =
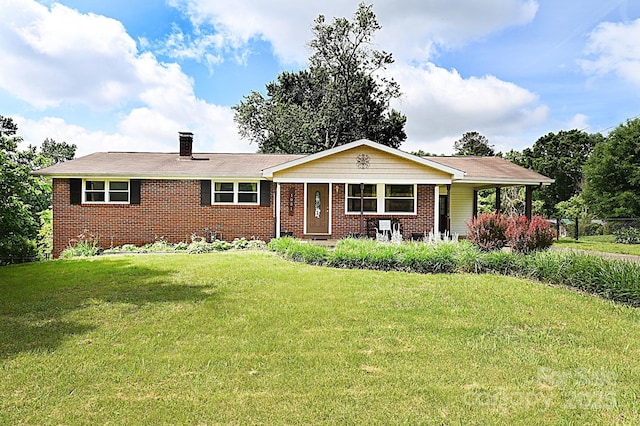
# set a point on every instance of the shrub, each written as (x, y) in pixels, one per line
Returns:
(488, 231)
(613, 279)
(525, 236)
(627, 236)
(160, 245)
(84, 245)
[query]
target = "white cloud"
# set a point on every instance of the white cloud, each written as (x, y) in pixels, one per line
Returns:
(58, 55)
(141, 130)
(410, 27)
(578, 121)
(615, 49)
(441, 105)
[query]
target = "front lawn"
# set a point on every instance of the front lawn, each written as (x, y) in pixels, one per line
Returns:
(603, 243)
(249, 338)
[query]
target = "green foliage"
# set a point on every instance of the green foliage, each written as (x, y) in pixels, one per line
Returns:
(610, 278)
(247, 338)
(473, 143)
(198, 245)
(299, 251)
(45, 235)
(201, 246)
(22, 195)
(341, 97)
(561, 157)
(612, 173)
(627, 236)
(86, 244)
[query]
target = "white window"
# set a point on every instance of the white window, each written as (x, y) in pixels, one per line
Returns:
(399, 198)
(382, 198)
(368, 197)
(235, 193)
(106, 191)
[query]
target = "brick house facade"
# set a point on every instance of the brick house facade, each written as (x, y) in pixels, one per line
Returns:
(138, 198)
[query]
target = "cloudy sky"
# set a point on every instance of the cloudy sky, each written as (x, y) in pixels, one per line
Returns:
(124, 75)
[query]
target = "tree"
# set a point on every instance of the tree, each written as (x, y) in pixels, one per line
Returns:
(473, 143)
(23, 196)
(612, 173)
(561, 157)
(340, 98)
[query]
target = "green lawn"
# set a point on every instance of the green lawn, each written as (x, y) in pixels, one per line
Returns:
(604, 243)
(248, 338)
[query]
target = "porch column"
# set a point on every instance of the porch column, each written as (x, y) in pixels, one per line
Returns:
(277, 206)
(497, 199)
(361, 210)
(528, 202)
(436, 209)
(475, 203)
(448, 207)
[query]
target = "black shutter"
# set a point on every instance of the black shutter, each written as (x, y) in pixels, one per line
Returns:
(75, 191)
(134, 190)
(205, 192)
(265, 193)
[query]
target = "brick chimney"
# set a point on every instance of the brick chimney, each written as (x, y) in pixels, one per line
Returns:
(186, 145)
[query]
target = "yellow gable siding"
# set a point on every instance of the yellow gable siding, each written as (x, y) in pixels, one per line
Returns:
(343, 166)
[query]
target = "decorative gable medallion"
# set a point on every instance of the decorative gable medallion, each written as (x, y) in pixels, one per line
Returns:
(363, 161)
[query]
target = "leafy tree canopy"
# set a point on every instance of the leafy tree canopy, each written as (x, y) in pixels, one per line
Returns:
(22, 195)
(473, 143)
(340, 98)
(560, 156)
(612, 173)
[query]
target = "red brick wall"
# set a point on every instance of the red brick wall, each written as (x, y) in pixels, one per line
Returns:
(292, 208)
(342, 224)
(168, 208)
(171, 209)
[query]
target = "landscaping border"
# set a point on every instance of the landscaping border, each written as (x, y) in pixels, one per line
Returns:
(613, 279)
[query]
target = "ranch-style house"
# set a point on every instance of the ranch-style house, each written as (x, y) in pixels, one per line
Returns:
(137, 198)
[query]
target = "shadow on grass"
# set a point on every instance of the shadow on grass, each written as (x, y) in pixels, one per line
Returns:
(36, 299)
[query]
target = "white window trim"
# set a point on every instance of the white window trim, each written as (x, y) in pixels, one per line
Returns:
(107, 183)
(380, 198)
(236, 185)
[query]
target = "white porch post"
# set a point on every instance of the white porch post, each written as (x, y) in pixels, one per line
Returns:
(277, 209)
(436, 209)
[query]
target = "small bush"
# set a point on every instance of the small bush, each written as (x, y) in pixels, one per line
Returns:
(627, 236)
(84, 245)
(488, 231)
(524, 236)
(200, 246)
(492, 232)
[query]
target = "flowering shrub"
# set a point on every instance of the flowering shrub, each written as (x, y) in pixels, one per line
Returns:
(488, 231)
(493, 232)
(524, 236)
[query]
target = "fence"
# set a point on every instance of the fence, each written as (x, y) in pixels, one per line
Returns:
(576, 227)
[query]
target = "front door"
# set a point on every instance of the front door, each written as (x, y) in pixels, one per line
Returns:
(318, 208)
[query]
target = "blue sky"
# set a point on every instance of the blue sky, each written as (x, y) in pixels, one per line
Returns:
(127, 76)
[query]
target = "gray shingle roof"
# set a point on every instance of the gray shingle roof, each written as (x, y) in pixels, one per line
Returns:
(142, 164)
(168, 165)
(489, 168)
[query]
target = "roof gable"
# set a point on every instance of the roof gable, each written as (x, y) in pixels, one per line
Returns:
(323, 155)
